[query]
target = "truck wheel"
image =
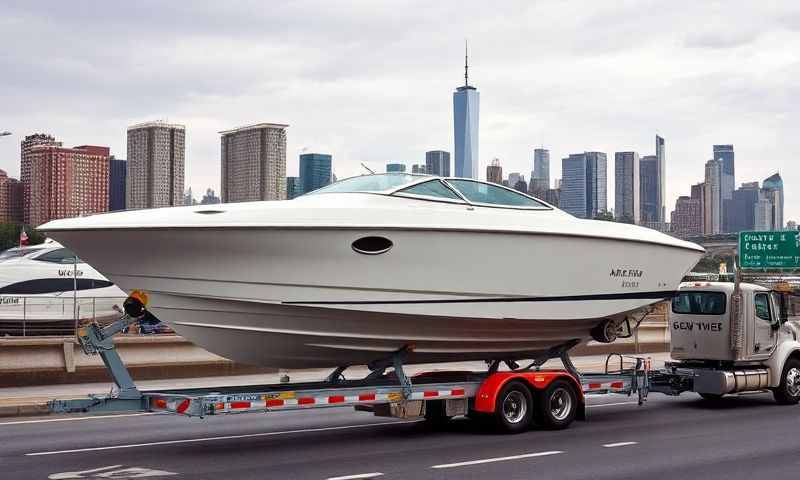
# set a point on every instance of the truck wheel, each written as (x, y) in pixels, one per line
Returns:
(788, 392)
(557, 405)
(513, 412)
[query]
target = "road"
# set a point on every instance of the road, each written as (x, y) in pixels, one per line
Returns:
(672, 438)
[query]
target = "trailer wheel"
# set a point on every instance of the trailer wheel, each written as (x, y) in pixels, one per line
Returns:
(513, 412)
(557, 405)
(788, 392)
(435, 413)
(711, 397)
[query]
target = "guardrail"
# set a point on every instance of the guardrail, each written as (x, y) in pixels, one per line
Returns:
(23, 316)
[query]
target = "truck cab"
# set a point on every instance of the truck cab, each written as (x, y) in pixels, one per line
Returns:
(736, 337)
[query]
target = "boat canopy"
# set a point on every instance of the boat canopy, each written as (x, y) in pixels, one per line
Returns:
(426, 187)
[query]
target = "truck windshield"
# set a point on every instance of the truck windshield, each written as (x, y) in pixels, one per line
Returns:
(699, 303)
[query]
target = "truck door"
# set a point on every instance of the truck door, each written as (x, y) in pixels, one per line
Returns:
(764, 335)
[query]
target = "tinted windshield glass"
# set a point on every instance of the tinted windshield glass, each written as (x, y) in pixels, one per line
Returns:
(699, 303)
(61, 255)
(369, 183)
(491, 194)
(18, 252)
(434, 188)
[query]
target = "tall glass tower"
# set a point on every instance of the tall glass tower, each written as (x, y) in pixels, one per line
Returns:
(466, 103)
(315, 171)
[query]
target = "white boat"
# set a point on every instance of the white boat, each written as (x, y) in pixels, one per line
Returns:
(40, 283)
(454, 269)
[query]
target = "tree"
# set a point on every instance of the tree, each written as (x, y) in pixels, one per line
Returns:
(604, 215)
(9, 235)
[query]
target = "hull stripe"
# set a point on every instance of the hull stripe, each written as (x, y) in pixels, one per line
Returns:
(660, 295)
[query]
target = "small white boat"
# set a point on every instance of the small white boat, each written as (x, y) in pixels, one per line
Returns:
(40, 283)
(454, 268)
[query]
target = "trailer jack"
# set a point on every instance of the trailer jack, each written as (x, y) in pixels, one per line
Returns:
(97, 340)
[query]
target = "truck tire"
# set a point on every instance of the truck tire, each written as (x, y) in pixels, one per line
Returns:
(557, 405)
(788, 392)
(513, 411)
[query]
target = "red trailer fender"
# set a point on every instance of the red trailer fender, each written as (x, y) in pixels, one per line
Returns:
(486, 397)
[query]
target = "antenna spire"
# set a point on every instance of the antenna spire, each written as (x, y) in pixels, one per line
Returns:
(466, 64)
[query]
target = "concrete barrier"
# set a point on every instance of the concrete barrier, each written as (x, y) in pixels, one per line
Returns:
(56, 360)
(59, 360)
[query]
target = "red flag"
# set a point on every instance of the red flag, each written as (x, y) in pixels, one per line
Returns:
(23, 238)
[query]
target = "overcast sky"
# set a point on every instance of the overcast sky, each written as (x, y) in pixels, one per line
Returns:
(372, 81)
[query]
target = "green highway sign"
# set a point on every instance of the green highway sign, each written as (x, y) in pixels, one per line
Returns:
(769, 250)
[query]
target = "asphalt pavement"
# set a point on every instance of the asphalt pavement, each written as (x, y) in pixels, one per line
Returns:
(746, 437)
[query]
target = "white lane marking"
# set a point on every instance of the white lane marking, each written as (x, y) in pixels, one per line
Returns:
(358, 475)
(69, 475)
(75, 419)
(116, 472)
(211, 439)
(611, 404)
(498, 459)
(619, 444)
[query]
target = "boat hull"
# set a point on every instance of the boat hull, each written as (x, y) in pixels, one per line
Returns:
(302, 297)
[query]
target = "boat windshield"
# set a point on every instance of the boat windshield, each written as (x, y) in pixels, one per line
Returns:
(369, 183)
(18, 252)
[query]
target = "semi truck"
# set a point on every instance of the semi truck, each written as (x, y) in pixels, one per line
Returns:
(727, 338)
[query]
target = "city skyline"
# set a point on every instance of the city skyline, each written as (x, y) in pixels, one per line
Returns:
(728, 85)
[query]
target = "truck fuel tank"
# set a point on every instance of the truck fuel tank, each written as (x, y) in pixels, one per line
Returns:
(719, 382)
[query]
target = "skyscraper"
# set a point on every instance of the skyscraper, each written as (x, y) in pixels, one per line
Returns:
(26, 145)
(395, 167)
(11, 199)
(466, 104)
(293, 187)
(773, 188)
(740, 213)
(316, 170)
(724, 154)
(686, 218)
(494, 172)
(626, 187)
(254, 163)
(117, 173)
(712, 203)
(763, 214)
(67, 182)
(699, 194)
(541, 165)
(598, 183)
(437, 162)
(514, 178)
(662, 179)
(539, 187)
(156, 153)
(648, 189)
(584, 184)
(210, 198)
(418, 169)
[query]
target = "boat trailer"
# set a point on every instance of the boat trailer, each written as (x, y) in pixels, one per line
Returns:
(393, 393)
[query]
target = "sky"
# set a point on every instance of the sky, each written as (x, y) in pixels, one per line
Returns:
(372, 81)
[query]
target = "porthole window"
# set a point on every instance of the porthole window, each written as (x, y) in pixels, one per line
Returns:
(372, 245)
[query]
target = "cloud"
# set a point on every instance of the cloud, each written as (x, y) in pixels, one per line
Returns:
(372, 82)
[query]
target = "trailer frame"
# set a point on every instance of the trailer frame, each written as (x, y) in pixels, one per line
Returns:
(385, 393)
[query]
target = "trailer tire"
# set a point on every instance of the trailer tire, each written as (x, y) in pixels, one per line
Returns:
(435, 413)
(788, 392)
(513, 412)
(711, 397)
(557, 405)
